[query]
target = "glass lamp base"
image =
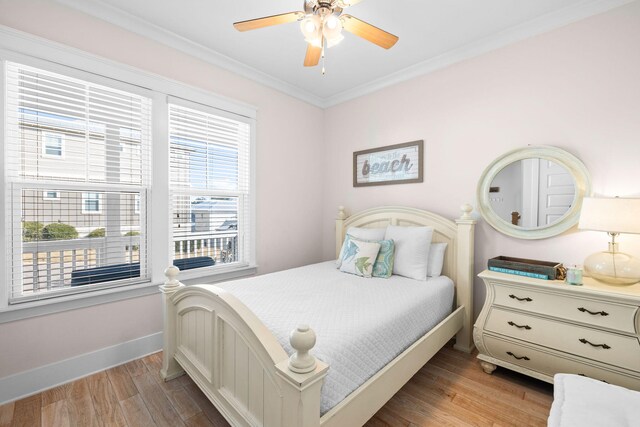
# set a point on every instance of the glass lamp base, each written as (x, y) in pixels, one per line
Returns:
(615, 268)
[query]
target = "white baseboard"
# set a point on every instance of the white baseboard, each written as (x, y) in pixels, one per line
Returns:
(45, 377)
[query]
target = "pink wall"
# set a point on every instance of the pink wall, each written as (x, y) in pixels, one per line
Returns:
(287, 192)
(577, 88)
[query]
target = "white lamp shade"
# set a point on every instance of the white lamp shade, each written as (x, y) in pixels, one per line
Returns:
(311, 27)
(612, 215)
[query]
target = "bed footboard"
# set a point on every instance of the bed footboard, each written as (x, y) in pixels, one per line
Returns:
(236, 361)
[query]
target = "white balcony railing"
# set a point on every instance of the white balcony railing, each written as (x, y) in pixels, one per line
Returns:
(48, 265)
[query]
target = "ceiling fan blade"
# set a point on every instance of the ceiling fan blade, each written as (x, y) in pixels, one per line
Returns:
(368, 32)
(312, 57)
(267, 21)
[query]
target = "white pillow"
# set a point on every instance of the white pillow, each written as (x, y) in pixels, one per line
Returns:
(361, 258)
(436, 259)
(362, 234)
(412, 250)
(367, 233)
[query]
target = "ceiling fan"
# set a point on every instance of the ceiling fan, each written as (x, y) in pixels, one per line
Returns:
(321, 24)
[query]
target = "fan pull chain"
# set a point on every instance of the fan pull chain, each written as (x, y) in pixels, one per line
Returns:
(323, 62)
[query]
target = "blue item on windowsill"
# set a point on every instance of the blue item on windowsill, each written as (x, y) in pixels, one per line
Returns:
(196, 262)
(106, 273)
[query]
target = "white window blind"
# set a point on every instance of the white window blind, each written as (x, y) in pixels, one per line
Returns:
(210, 186)
(89, 145)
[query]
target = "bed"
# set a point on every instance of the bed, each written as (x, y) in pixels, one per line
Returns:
(256, 378)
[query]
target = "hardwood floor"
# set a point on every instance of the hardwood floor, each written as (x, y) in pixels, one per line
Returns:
(450, 390)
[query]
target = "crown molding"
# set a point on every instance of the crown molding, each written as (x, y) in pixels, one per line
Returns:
(487, 44)
(142, 27)
(492, 42)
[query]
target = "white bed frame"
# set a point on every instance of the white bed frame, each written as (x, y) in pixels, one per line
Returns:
(238, 363)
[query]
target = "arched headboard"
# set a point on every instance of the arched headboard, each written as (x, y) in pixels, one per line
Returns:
(458, 234)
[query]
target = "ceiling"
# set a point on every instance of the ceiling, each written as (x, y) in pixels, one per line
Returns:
(433, 34)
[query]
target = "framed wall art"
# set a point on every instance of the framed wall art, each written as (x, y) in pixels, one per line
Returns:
(393, 164)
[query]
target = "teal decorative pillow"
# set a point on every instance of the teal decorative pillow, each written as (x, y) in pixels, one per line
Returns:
(384, 261)
(358, 257)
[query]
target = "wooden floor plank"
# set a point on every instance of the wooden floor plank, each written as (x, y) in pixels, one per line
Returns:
(477, 391)
(56, 414)
(156, 401)
(136, 367)
(121, 382)
(384, 419)
(421, 413)
(80, 405)
(27, 412)
(184, 405)
(105, 401)
(6, 414)
(136, 412)
(199, 420)
(206, 406)
(55, 394)
(444, 399)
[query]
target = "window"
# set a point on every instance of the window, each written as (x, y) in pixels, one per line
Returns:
(210, 186)
(51, 195)
(100, 136)
(52, 145)
(102, 122)
(91, 203)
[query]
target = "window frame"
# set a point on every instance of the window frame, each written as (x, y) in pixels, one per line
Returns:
(243, 230)
(51, 199)
(33, 51)
(85, 199)
(44, 135)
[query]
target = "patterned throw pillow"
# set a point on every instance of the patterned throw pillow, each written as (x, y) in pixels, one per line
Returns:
(383, 266)
(358, 257)
(384, 262)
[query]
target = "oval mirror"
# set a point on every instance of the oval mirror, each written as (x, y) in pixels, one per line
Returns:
(533, 192)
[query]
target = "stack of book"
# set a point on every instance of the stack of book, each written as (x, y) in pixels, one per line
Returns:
(526, 267)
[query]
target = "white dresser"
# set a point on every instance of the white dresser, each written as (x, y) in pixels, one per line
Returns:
(541, 327)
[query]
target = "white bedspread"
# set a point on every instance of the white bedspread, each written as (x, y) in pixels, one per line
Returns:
(361, 324)
(585, 402)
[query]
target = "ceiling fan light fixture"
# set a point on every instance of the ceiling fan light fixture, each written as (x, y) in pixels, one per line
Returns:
(311, 27)
(334, 40)
(332, 30)
(331, 23)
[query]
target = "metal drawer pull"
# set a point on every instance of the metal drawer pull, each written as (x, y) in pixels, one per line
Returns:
(601, 313)
(527, 299)
(585, 341)
(519, 358)
(527, 327)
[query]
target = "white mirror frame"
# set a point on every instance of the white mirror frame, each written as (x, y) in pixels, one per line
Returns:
(554, 154)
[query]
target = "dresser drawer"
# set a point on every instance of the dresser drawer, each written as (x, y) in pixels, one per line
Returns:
(620, 317)
(605, 347)
(550, 364)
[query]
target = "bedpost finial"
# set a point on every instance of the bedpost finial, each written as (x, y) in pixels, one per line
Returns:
(466, 211)
(341, 212)
(302, 339)
(172, 282)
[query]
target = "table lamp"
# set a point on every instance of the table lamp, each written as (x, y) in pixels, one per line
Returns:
(614, 216)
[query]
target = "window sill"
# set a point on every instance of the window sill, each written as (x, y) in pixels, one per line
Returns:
(209, 275)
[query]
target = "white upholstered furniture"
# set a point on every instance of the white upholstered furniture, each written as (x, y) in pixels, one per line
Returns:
(223, 346)
(541, 328)
(583, 402)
